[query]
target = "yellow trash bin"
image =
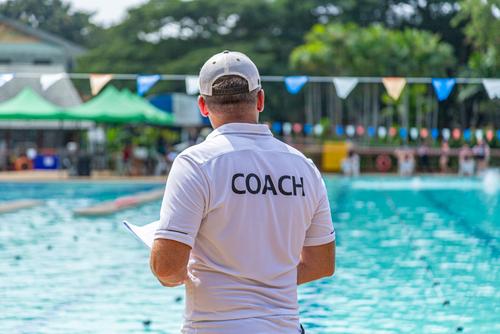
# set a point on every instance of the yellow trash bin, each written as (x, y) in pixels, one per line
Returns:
(333, 152)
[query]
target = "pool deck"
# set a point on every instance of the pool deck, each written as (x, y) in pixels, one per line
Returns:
(62, 176)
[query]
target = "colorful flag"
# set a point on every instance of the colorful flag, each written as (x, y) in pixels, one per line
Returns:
(339, 130)
(467, 134)
(492, 87)
(479, 134)
(146, 82)
(5, 77)
(276, 127)
(98, 81)
(414, 133)
(360, 130)
(48, 80)
(308, 129)
(350, 130)
(435, 133)
(297, 128)
(287, 128)
(371, 131)
(456, 134)
(318, 129)
(192, 85)
(424, 133)
(394, 86)
(403, 133)
(446, 133)
(295, 83)
(382, 132)
(443, 87)
(344, 86)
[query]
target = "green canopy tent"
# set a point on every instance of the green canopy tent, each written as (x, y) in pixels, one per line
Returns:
(29, 105)
(153, 114)
(113, 106)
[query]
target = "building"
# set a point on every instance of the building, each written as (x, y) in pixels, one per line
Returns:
(29, 53)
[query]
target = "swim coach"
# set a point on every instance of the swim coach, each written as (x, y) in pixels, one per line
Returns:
(245, 218)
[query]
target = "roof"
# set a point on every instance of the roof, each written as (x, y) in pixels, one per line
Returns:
(71, 48)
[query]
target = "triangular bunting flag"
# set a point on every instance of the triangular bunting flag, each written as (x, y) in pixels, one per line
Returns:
(443, 87)
(344, 86)
(295, 83)
(98, 81)
(192, 86)
(394, 86)
(47, 80)
(492, 87)
(146, 82)
(5, 77)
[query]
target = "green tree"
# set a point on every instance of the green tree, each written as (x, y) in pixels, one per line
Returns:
(55, 16)
(347, 49)
(482, 26)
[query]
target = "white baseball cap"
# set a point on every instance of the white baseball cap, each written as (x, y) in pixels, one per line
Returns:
(228, 63)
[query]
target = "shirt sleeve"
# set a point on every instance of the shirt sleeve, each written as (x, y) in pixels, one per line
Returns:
(184, 203)
(321, 230)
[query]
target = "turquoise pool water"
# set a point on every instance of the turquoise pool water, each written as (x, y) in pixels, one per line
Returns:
(414, 256)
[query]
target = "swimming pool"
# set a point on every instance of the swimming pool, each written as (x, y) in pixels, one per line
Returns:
(414, 255)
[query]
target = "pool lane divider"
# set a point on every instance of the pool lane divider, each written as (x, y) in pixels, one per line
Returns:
(436, 285)
(17, 205)
(119, 204)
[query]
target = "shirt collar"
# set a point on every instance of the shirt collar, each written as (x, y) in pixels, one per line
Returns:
(241, 128)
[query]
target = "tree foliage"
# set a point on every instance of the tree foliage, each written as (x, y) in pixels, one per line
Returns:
(347, 49)
(54, 16)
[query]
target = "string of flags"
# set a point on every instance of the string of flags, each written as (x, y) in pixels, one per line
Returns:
(394, 86)
(382, 132)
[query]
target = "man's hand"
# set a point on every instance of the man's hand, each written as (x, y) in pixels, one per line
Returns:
(168, 262)
(316, 262)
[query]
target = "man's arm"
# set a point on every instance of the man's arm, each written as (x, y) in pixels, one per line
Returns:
(316, 262)
(168, 261)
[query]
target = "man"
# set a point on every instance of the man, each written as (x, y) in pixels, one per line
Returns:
(245, 217)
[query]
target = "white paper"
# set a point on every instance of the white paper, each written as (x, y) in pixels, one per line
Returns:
(145, 233)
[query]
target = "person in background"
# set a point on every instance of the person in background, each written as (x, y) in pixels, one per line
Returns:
(465, 162)
(406, 162)
(161, 157)
(423, 157)
(127, 158)
(444, 158)
(481, 152)
(350, 164)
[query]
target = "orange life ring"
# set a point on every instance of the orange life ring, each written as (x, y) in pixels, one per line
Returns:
(383, 163)
(23, 163)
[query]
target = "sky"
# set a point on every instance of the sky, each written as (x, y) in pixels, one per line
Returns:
(107, 11)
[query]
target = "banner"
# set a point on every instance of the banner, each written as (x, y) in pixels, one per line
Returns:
(344, 86)
(394, 86)
(98, 81)
(295, 83)
(5, 77)
(192, 85)
(48, 80)
(492, 87)
(146, 82)
(443, 87)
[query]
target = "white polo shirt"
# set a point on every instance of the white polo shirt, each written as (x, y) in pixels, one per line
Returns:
(246, 203)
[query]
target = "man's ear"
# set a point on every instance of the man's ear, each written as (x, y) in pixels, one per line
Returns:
(203, 106)
(260, 100)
